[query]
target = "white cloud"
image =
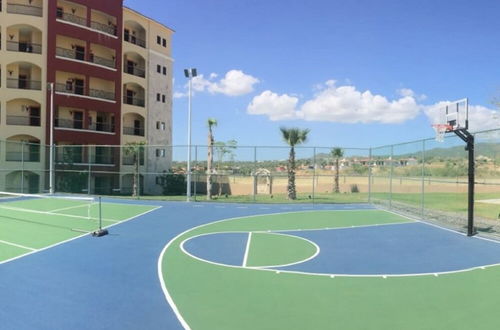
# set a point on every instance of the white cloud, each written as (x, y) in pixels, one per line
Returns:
(276, 107)
(234, 83)
(344, 104)
(480, 117)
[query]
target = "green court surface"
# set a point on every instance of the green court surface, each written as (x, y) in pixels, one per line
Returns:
(33, 224)
(212, 296)
(268, 249)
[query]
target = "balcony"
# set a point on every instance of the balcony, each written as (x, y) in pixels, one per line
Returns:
(135, 40)
(134, 70)
(21, 83)
(102, 127)
(132, 100)
(23, 120)
(25, 47)
(20, 156)
(14, 8)
(109, 28)
(68, 123)
(80, 56)
(135, 131)
(70, 88)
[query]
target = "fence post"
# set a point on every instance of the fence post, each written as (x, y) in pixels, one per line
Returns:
(390, 178)
(423, 180)
(314, 175)
(370, 175)
(22, 166)
(89, 160)
(253, 175)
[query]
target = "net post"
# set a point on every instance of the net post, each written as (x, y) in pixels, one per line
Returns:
(100, 232)
(369, 175)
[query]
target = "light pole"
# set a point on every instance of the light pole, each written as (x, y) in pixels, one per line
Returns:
(190, 74)
(51, 141)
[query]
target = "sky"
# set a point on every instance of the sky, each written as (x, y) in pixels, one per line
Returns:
(357, 73)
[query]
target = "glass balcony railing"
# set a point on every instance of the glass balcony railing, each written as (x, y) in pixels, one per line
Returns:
(71, 88)
(134, 70)
(135, 40)
(136, 131)
(23, 120)
(106, 28)
(20, 156)
(25, 47)
(24, 84)
(14, 8)
(80, 56)
(133, 101)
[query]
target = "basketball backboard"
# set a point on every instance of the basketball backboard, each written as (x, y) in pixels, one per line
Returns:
(454, 114)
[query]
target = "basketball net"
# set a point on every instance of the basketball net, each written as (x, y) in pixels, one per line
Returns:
(441, 130)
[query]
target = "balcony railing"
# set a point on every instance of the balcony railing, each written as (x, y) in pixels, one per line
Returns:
(102, 127)
(134, 70)
(25, 47)
(104, 159)
(26, 156)
(108, 29)
(100, 94)
(102, 61)
(24, 84)
(13, 8)
(133, 101)
(133, 131)
(72, 18)
(70, 158)
(134, 40)
(68, 123)
(23, 120)
(80, 56)
(71, 88)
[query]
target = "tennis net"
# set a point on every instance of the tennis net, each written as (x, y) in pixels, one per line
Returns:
(59, 211)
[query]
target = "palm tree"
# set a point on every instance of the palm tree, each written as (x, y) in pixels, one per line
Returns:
(211, 122)
(337, 153)
(293, 137)
(136, 150)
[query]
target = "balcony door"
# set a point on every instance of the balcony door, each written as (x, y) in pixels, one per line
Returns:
(130, 67)
(79, 86)
(34, 116)
(130, 96)
(80, 53)
(137, 127)
(77, 119)
(23, 81)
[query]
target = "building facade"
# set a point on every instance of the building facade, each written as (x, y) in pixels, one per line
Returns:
(111, 72)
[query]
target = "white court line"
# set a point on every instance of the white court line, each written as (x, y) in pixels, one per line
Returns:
(77, 237)
(69, 207)
(169, 298)
(18, 245)
(247, 249)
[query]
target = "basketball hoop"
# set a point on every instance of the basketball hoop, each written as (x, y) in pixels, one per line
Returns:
(441, 129)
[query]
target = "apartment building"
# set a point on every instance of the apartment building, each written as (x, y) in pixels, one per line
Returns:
(111, 72)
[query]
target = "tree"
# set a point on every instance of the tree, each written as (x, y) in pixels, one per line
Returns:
(136, 150)
(293, 137)
(211, 122)
(337, 153)
(222, 149)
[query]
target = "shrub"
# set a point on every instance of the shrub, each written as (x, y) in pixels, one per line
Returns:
(354, 188)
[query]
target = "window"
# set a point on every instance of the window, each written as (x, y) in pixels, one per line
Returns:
(162, 126)
(158, 40)
(164, 42)
(59, 12)
(163, 98)
(157, 125)
(165, 70)
(158, 68)
(160, 152)
(158, 97)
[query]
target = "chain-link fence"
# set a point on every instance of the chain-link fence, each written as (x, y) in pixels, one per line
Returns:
(424, 179)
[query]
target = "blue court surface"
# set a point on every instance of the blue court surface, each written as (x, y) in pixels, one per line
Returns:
(113, 283)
